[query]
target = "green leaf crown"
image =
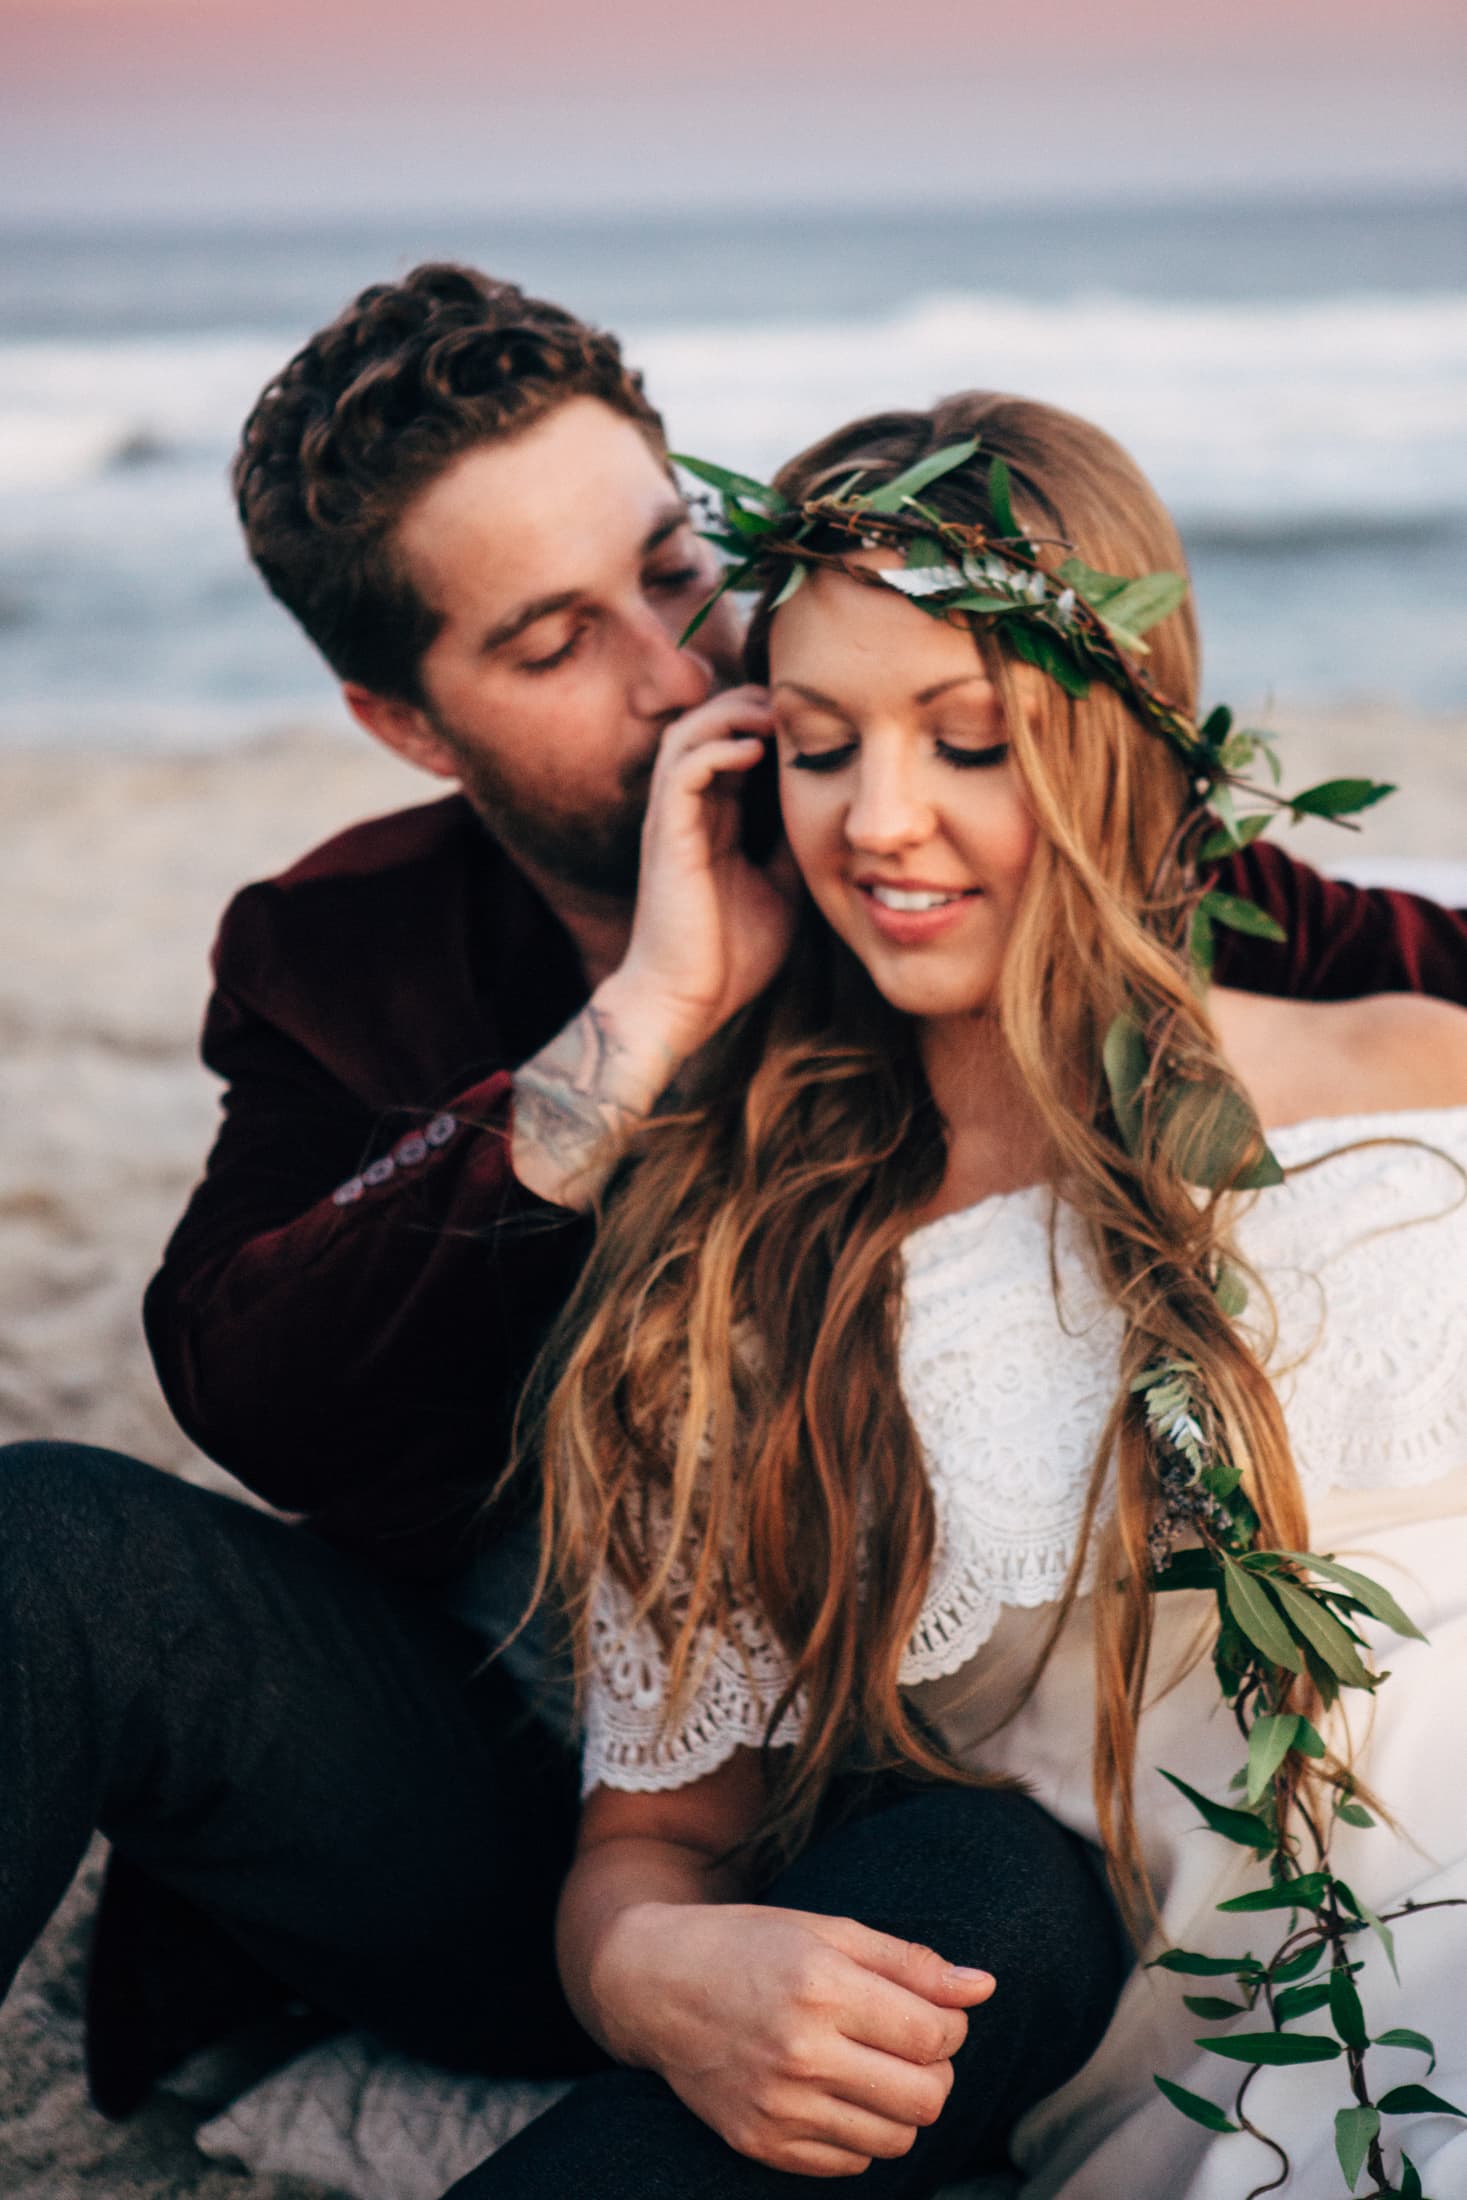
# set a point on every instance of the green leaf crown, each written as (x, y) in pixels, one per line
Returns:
(1069, 620)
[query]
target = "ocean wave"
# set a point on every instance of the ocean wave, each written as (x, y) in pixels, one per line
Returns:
(1249, 416)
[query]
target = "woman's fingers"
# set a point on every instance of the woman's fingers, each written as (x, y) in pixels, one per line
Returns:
(904, 2094)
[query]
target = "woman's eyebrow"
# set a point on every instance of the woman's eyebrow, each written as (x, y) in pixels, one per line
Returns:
(927, 695)
(943, 687)
(810, 695)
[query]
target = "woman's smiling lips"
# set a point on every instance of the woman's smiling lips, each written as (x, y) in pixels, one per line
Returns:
(910, 911)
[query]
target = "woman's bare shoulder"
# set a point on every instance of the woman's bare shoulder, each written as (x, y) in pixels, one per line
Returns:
(1302, 1059)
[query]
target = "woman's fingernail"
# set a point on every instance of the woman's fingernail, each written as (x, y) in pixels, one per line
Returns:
(962, 1975)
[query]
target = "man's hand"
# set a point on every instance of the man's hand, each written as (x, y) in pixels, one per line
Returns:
(710, 931)
(809, 2043)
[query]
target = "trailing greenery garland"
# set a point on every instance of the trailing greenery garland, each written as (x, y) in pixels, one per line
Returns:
(1281, 1615)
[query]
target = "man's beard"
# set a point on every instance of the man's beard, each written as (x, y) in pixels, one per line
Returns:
(597, 852)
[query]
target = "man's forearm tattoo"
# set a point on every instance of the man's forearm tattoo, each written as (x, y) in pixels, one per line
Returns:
(579, 1094)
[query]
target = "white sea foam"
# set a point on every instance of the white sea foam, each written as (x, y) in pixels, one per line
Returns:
(1346, 405)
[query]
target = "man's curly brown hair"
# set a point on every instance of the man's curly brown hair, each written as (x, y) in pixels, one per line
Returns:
(365, 416)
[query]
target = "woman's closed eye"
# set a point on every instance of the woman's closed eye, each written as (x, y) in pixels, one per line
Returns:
(962, 756)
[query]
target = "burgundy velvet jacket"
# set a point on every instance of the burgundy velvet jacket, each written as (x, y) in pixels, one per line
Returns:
(348, 1308)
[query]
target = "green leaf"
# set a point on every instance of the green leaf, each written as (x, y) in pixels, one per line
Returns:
(1190, 1570)
(1323, 1632)
(1244, 833)
(1242, 916)
(1275, 2047)
(1261, 1621)
(731, 579)
(1346, 2015)
(1207, 1128)
(1339, 797)
(794, 580)
(1037, 646)
(1214, 2008)
(1308, 1741)
(1300, 1965)
(1377, 1601)
(893, 494)
(1201, 942)
(973, 600)
(1408, 2100)
(1206, 2113)
(1355, 2128)
(1399, 2036)
(1304, 1893)
(1096, 588)
(1141, 605)
(1000, 498)
(1377, 1925)
(1300, 2001)
(729, 484)
(1126, 1064)
(752, 527)
(1410, 2179)
(923, 552)
(1354, 1814)
(1183, 1961)
(1234, 1825)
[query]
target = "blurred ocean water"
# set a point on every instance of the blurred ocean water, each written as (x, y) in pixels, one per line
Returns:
(1293, 377)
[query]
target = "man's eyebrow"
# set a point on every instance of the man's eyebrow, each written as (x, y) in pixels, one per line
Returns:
(543, 607)
(539, 607)
(676, 516)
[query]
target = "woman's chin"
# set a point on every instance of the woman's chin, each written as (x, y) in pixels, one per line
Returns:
(932, 995)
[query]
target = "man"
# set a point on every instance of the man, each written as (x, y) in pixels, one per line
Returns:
(426, 1029)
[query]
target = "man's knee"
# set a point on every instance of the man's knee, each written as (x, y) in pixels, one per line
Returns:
(64, 1506)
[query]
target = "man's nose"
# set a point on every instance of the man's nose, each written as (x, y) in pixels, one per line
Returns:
(666, 680)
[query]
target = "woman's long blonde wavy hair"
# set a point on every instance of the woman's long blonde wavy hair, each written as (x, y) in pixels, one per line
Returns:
(726, 1421)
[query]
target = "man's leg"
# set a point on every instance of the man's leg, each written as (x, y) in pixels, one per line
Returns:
(305, 1754)
(983, 1876)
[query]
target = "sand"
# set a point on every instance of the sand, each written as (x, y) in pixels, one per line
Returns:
(113, 871)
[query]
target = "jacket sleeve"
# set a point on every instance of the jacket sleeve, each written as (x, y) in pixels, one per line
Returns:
(346, 1314)
(1341, 941)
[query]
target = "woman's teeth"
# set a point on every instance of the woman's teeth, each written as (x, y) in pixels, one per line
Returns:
(911, 898)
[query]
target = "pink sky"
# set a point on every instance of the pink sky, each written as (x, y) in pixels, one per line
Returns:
(159, 102)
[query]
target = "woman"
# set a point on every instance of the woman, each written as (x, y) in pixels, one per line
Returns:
(850, 1430)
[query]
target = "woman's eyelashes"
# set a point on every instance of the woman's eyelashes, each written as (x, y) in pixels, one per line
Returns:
(959, 755)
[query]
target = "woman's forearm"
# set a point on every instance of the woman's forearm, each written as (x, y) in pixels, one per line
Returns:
(622, 1932)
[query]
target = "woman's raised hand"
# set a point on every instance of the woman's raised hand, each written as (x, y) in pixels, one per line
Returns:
(711, 927)
(810, 2043)
(710, 930)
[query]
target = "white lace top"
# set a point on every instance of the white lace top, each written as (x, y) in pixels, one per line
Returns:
(1365, 1259)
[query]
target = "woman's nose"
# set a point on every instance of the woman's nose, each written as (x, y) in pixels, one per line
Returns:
(888, 809)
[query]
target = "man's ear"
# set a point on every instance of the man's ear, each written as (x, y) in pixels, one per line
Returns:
(403, 728)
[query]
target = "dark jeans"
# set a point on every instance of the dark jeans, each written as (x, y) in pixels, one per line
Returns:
(317, 1763)
(986, 1878)
(307, 1756)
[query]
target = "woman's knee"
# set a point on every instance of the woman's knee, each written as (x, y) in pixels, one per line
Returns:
(981, 1874)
